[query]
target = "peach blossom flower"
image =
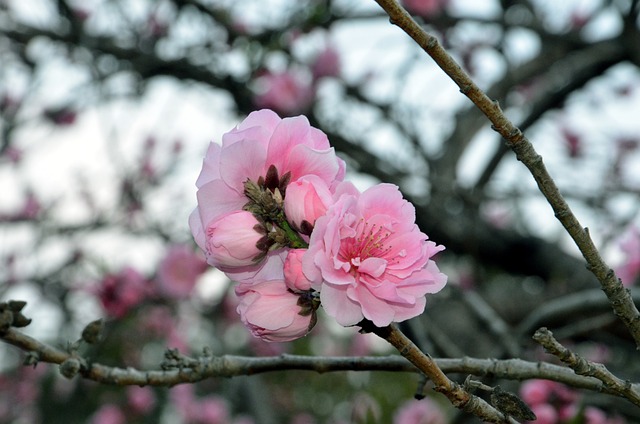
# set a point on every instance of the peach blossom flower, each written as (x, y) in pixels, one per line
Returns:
(369, 259)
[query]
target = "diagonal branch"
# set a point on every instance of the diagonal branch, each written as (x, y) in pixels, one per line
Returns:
(619, 297)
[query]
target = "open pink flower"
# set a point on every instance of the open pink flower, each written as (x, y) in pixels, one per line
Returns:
(272, 312)
(368, 259)
(263, 140)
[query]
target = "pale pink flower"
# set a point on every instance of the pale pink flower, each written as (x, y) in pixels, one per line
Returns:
(287, 92)
(423, 411)
(232, 240)
(294, 277)
(120, 292)
(629, 270)
(272, 312)
(369, 259)
(307, 199)
(263, 139)
(179, 270)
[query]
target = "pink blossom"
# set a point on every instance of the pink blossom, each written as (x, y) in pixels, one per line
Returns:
(545, 413)
(141, 399)
(535, 392)
(326, 63)
(109, 414)
(179, 270)
(423, 411)
(292, 146)
(287, 92)
(120, 292)
(294, 277)
(629, 270)
(307, 199)
(232, 240)
(368, 259)
(425, 8)
(272, 312)
(593, 415)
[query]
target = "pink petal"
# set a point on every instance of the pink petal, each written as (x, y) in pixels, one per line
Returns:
(241, 161)
(336, 303)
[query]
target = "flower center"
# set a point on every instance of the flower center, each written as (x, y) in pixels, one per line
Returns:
(369, 242)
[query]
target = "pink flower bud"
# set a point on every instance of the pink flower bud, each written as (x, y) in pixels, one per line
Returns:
(306, 199)
(231, 240)
(272, 312)
(294, 278)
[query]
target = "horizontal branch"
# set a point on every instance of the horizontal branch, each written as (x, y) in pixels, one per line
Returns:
(188, 370)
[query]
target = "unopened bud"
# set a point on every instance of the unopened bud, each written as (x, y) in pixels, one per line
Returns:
(70, 367)
(93, 331)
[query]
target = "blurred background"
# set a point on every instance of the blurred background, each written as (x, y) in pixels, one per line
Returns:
(107, 108)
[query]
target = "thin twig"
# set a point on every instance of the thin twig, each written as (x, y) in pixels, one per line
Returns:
(619, 297)
(583, 367)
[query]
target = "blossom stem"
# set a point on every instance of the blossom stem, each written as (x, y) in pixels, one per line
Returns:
(295, 240)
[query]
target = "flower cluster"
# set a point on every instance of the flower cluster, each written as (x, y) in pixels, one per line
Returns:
(276, 216)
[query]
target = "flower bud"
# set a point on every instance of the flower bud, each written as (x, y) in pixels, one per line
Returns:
(272, 312)
(231, 240)
(307, 199)
(294, 278)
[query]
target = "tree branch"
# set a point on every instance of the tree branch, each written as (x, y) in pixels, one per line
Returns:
(619, 297)
(583, 367)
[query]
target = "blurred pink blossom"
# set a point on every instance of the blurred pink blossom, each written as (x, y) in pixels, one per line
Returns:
(207, 410)
(423, 411)
(272, 312)
(179, 270)
(425, 8)
(122, 291)
(545, 413)
(326, 63)
(369, 259)
(629, 270)
(62, 116)
(109, 414)
(141, 399)
(287, 92)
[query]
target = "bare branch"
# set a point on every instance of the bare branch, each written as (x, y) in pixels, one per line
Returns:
(619, 297)
(583, 367)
